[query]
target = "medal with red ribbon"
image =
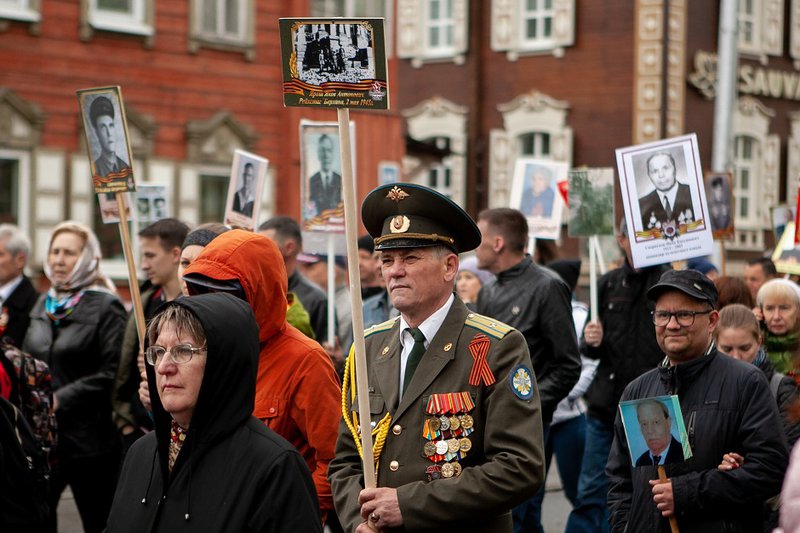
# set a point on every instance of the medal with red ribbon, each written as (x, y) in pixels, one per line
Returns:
(479, 348)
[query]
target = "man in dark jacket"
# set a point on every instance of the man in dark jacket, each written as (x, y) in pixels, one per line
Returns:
(17, 295)
(624, 342)
(726, 405)
(537, 302)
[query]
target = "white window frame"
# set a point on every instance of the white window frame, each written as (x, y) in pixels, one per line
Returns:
(440, 118)
(508, 29)
(242, 41)
(220, 33)
(538, 15)
(138, 21)
(437, 174)
(752, 19)
(23, 159)
(766, 18)
(413, 38)
(538, 144)
(750, 166)
(533, 113)
(25, 10)
(443, 24)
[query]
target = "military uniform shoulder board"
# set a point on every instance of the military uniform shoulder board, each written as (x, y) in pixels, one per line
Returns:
(377, 328)
(493, 328)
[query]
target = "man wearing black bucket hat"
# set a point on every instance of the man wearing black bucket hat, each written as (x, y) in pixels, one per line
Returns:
(727, 407)
(453, 398)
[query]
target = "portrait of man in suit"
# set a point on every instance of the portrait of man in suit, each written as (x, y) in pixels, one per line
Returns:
(671, 201)
(103, 120)
(245, 195)
(325, 186)
(719, 204)
(655, 424)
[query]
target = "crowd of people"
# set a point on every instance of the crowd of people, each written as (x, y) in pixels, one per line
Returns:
(235, 412)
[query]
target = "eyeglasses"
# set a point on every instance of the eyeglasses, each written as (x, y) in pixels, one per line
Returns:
(179, 354)
(684, 318)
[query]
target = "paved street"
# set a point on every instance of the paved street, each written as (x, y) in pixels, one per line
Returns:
(556, 509)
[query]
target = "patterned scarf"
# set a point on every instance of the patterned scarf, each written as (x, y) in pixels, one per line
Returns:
(176, 437)
(59, 308)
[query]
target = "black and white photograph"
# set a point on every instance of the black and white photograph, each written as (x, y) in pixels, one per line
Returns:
(109, 209)
(334, 63)
(152, 203)
(719, 191)
(248, 173)
(534, 192)
(591, 202)
(663, 193)
(321, 170)
(106, 131)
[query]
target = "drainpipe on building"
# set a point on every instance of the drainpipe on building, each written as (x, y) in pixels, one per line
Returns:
(727, 68)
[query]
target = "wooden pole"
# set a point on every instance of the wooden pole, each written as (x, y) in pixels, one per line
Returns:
(351, 237)
(331, 340)
(133, 282)
(662, 477)
(722, 259)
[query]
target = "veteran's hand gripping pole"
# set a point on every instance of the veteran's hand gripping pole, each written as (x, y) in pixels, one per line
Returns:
(359, 353)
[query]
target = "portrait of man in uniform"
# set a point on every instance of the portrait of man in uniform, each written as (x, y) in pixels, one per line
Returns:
(245, 195)
(104, 121)
(325, 185)
(670, 201)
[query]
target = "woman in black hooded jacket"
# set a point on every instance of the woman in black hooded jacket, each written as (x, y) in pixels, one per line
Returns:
(209, 465)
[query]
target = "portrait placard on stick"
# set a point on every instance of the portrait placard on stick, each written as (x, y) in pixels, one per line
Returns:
(665, 201)
(534, 192)
(786, 255)
(106, 130)
(655, 431)
(109, 209)
(719, 191)
(591, 202)
(152, 203)
(248, 173)
(334, 62)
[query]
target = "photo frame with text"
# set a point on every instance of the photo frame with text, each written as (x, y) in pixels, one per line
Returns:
(152, 203)
(246, 185)
(650, 436)
(721, 206)
(534, 192)
(787, 255)
(664, 197)
(334, 62)
(591, 202)
(107, 141)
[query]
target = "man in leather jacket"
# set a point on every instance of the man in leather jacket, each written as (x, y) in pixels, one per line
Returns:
(535, 301)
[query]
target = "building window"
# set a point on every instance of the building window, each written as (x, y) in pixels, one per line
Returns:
(761, 25)
(440, 177)
(124, 16)
(349, 8)
(532, 27)
(432, 30)
(27, 10)
(223, 25)
(534, 144)
(213, 192)
(746, 159)
(9, 191)
(537, 23)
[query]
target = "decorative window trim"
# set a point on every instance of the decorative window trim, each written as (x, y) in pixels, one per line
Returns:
(21, 121)
(752, 119)
(769, 22)
(533, 112)
(793, 156)
(213, 141)
(412, 34)
(506, 29)
(794, 33)
(24, 11)
(244, 44)
(139, 23)
(439, 117)
(24, 180)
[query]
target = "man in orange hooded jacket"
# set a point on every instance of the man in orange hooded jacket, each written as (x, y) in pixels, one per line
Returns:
(297, 390)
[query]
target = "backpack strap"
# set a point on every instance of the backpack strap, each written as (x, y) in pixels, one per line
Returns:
(775, 383)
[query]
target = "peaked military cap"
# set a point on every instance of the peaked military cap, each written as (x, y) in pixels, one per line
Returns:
(100, 106)
(405, 215)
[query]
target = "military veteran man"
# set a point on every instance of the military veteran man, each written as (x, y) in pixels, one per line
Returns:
(453, 398)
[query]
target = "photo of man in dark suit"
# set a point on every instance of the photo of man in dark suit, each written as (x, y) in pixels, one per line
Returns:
(325, 186)
(244, 198)
(109, 164)
(655, 423)
(671, 201)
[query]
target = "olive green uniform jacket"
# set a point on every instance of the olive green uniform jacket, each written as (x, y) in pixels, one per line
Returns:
(504, 465)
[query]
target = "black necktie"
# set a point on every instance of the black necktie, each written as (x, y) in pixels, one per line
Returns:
(414, 355)
(667, 207)
(656, 460)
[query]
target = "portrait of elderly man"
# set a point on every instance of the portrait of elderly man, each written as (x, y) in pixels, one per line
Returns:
(325, 186)
(671, 201)
(655, 423)
(538, 196)
(245, 196)
(103, 119)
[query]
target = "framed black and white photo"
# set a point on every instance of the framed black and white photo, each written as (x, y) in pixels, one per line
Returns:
(322, 206)
(534, 192)
(152, 203)
(719, 191)
(665, 202)
(335, 62)
(107, 141)
(109, 209)
(248, 173)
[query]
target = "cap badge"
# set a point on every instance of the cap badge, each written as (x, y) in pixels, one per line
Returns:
(399, 224)
(396, 194)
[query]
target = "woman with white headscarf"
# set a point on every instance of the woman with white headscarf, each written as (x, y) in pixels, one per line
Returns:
(77, 328)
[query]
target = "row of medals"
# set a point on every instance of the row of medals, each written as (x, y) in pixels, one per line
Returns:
(452, 432)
